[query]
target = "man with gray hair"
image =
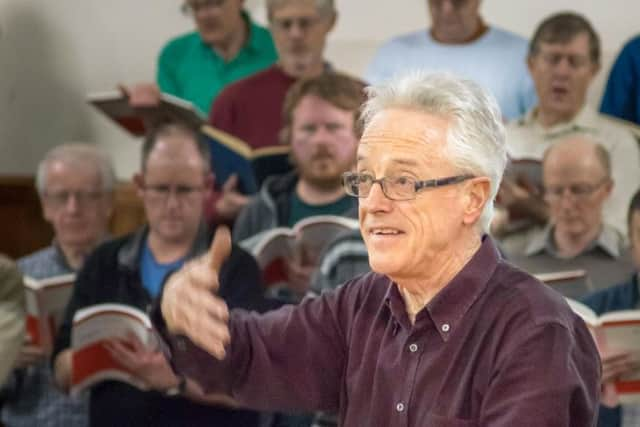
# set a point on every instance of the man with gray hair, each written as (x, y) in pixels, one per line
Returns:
(576, 176)
(564, 58)
(75, 183)
(251, 109)
(442, 332)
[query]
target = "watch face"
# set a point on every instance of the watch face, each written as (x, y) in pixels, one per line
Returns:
(177, 389)
(173, 391)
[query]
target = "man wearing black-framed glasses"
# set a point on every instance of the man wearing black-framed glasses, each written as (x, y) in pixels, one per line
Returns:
(173, 181)
(564, 59)
(442, 332)
(576, 175)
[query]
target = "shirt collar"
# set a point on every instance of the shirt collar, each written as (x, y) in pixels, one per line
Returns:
(253, 38)
(609, 240)
(448, 307)
(59, 255)
(583, 121)
(129, 254)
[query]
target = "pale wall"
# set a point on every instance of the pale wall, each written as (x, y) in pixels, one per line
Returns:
(52, 52)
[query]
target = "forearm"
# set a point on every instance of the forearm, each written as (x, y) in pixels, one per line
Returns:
(195, 393)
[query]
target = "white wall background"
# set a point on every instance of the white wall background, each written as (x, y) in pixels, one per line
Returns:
(52, 52)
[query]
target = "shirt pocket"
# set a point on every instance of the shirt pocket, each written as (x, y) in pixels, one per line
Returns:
(435, 420)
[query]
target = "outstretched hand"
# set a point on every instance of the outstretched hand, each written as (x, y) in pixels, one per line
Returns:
(189, 304)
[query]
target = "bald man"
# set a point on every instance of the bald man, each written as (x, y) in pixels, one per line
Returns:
(576, 175)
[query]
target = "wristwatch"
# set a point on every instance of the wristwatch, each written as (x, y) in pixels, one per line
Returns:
(177, 389)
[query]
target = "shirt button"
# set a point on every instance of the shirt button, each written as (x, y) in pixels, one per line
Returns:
(445, 327)
(400, 407)
(413, 348)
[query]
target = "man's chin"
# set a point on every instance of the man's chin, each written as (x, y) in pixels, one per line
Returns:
(328, 183)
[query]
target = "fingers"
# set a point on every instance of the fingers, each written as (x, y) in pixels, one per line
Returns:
(617, 365)
(142, 94)
(124, 90)
(220, 248)
(121, 353)
(231, 183)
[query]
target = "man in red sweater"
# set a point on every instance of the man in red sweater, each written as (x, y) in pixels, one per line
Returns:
(251, 108)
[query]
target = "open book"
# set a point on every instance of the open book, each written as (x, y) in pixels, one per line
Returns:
(570, 283)
(231, 155)
(525, 173)
(46, 301)
(115, 105)
(306, 241)
(92, 327)
(615, 332)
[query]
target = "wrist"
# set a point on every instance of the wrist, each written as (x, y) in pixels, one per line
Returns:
(177, 389)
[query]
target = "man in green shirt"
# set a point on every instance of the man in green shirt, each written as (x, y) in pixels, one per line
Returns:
(226, 46)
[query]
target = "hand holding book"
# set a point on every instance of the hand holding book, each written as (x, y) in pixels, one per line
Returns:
(149, 365)
(30, 354)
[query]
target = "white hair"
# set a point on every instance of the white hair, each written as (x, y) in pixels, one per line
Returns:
(476, 139)
(77, 154)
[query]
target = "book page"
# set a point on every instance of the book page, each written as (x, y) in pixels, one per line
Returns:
(46, 301)
(573, 284)
(92, 328)
(623, 335)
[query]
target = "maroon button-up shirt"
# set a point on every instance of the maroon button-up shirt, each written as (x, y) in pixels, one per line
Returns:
(493, 348)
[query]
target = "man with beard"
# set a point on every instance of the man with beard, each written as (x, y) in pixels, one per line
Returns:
(321, 125)
(250, 109)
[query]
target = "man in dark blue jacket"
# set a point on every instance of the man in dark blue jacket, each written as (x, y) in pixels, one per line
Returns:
(173, 184)
(624, 296)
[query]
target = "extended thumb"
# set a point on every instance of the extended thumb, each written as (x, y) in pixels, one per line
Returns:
(220, 247)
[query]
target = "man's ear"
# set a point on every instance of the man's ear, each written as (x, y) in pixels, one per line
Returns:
(332, 21)
(529, 63)
(477, 193)
(209, 182)
(608, 187)
(46, 214)
(138, 181)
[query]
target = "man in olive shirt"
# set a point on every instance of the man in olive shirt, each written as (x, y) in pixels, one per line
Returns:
(442, 332)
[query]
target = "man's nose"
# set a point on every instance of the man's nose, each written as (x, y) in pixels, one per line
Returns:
(322, 135)
(563, 67)
(173, 199)
(72, 203)
(295, 31)
(376, 200)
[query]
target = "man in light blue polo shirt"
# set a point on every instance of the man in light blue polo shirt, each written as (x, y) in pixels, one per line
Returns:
(460, 42)
(225, 47)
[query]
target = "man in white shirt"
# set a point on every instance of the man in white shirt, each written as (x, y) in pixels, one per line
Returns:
(564, 57)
